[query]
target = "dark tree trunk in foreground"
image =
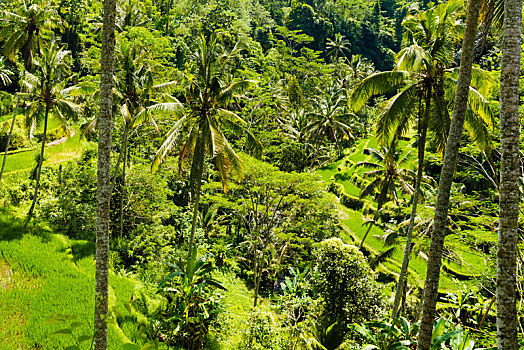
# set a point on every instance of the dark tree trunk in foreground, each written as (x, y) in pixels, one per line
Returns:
(103, 176)
(9, 137)
(40, 161)
(439, 229)
(197, 170)
(509, 176)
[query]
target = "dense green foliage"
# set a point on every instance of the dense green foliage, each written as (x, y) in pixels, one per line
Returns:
(256, 145)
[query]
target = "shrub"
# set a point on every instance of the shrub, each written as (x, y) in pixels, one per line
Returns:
(70, 204)
(262, 332)
(346, 283)
(18, 139)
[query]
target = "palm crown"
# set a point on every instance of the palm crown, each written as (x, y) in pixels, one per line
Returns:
(25, 30)
(422, 79)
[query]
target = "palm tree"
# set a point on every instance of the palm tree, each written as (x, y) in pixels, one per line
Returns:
(509, 177)
(103, 176)
(386, 178)
(210, 89)
(26, 29)
(337, 48)
(5, 79)
(446, 178)
(331, 119)
(47, 92)
(422, 76)
(129, 14)
(296, 125)
(134, 91)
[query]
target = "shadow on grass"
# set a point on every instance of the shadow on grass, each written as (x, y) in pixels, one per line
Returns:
(341, 177)
(82, 249)
(13, 228)
(329, 167)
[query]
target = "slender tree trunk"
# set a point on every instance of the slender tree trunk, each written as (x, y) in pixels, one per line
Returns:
(509, 175)
(40, 161)
(438, 231)
(104, 176)
(367, 232)
(423, 129)
(257, 278)
(122, 192)
(9, 137)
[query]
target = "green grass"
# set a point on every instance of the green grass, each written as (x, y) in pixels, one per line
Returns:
(42, 274)
(49, 274)
(238, 303)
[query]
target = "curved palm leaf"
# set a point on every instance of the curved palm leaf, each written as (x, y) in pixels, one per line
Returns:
(377, 84)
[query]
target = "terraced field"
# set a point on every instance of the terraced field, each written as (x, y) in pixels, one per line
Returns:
(463, 263)
(24, 159)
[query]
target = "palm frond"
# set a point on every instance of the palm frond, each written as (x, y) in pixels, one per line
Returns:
(170, 140)
(477, 131)
(80, 89)
(253, 145)
(412, 59)
(398, 110)
(382, 257)
(482, 80)
(144, 115)
(230, 116)
(376, 84)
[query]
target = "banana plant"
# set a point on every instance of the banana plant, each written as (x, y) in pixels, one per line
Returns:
(190, 302)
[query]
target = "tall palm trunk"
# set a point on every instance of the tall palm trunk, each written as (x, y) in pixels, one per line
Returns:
(124, 162)
(9, 137)
(509, 175)
(40, 161)
(446, 177)
(423, 129)
(197, 170)
(104, 176)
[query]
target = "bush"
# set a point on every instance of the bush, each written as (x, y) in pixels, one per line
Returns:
(146, 200)
(18, 139)
(70, 204)
(262, 332)
(348, 287)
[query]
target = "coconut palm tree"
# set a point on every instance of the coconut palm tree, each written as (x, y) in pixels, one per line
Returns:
(28, 27)
(509, 176)
(210, 89)
(337, 48)
(385, 178)
(5, 79)
(446, 178)
(103, 176)
(331, 120)
(133, 95)
(47, 92)
(423, 84)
